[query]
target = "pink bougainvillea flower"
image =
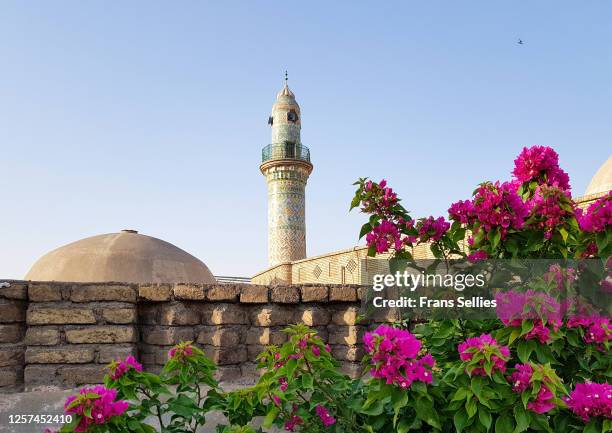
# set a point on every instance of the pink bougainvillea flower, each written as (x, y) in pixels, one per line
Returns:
(598, 216)
(591, 399)
(95, 405)
(541, 164)
(181, 351)
(432, 229)
(477, 256)
(544, 401)
(324, 415)
(484, 347)
(394, 357)
(118, 368)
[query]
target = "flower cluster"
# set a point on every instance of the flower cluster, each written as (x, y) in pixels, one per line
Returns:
(379, 199)
(394, 355)
(562, 277)
(550, 207)
(521, 381)
(294, 420)
(591, 400)
(118, 368)
(495, 205)
(597, 329)
(515, 307)
(484, 353)
(324, 415)
(598, 216)
(540, 164)
(384, 236)
(95, 405)
(432, 229)
(181, 351)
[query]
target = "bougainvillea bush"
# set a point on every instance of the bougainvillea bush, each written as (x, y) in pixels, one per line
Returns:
(543, 365)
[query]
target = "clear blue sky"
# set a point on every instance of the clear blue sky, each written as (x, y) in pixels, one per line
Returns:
(152, 115)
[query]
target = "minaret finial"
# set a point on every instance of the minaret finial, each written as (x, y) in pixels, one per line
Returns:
(286, 77)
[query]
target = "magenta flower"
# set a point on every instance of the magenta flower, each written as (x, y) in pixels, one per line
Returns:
(598, 216)
(550, 207)
(597, 329)
(118, 368)
(95, 405)
(324, 415)
(394, 356)
(181, 351)
(515, 307)
(591, 400)
(540, 163)
(432, 229)
(485, 350)
(477, 256)
(316, 351)
(283, 384)
(544, 401)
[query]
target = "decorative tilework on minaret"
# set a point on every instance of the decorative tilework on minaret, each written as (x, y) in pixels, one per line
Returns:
(286, 166)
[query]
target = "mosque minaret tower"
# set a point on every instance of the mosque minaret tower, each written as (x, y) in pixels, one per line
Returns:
(286, 165)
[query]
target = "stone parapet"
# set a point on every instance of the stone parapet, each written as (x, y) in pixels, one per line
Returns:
(63, 334)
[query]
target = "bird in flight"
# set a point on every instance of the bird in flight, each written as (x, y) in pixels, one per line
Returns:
(520, 42)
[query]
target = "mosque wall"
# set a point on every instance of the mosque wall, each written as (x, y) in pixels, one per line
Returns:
(63, 334)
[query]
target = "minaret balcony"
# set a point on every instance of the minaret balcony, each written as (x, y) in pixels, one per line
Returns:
(285, 151)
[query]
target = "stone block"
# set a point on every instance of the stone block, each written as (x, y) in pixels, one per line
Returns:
(109, 353)
(285, 295)
(40, 375)
(265, 336)
(342, 294)
(12, 311)
(155, 293)
(42, 336)
(314, 316)
(346, 316)
(345, 335)
(119, 315)
(220, 336)
(191, 292)
(9, 377)
(254, 295)
(315, 294)
(103, 292)
(59, 355)
(225, 314)
(253, 351)
(42, 292)
(223, 292)
(167, 336)
(81, 375)
(226, 355)
(11, 356)
(272, 316)
(12, 333)
(60, 316)
(229, 373)
(17, 291)
(351, 369)
(348, 353)
(102, 334)
(148, 314)
(178, 314)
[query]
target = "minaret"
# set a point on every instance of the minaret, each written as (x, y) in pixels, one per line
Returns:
(286, 165)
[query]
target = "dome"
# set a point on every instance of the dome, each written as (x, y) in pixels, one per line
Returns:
(121, 257)
(285, 92)
(602, 181)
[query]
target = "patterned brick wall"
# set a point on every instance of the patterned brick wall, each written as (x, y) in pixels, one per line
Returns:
(63, 334)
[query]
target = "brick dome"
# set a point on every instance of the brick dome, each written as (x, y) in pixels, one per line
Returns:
(602, 181)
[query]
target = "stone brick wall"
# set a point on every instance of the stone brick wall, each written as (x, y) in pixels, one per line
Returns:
(63, 334)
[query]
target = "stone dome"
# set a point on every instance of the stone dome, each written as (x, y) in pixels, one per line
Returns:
(602, 181)
(120, 257)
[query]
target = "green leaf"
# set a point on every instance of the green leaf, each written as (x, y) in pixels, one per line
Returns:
(592, 427)
(485, 417)
(460, 420)
(307, 381)
(521, 417)
(504, 424)
(270, 417)
(524, 350)
(365, 229)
